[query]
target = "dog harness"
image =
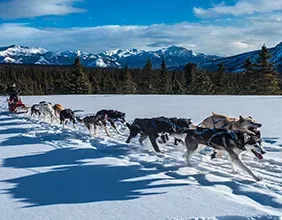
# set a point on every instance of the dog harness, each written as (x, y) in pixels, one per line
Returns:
(215, 122)
(231, 133)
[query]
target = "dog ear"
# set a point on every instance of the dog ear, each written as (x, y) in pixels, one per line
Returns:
(241, 118)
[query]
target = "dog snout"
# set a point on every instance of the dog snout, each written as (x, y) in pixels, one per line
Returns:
(263, 152)
(258, 125)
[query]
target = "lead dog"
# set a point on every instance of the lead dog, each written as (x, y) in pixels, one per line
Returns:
(248, 125)
(150, 127)
(233, 142)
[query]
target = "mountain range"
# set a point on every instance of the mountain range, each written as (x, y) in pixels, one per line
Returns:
(134, 58)
(175, 57)
(235, 63)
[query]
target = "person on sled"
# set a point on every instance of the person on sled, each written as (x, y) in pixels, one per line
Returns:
(14, 100)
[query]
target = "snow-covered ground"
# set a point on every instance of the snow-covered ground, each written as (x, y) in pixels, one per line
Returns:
(52, 173)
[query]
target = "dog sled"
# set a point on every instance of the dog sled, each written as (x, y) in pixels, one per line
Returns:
(16, 106)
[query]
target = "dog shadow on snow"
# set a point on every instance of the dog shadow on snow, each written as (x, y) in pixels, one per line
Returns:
(71, 178)
(76, 182)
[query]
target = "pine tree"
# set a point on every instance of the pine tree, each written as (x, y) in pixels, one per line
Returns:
(108, 85)
(162, 80)
(219, 79)
(129, 86)
(249, 83)
(95, 89)
(176, 86)
(266, 74)
(78, 82)
(189, 70)
(201, 83)
(59, 84)
(147, 80)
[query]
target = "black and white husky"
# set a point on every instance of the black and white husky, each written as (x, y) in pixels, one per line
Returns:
(233, 142)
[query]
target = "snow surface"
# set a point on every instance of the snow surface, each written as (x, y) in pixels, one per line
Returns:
(52, 173)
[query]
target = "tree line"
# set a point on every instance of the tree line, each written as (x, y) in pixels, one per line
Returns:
(259, 78)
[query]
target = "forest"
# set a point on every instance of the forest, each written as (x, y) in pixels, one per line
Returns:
(259, 78)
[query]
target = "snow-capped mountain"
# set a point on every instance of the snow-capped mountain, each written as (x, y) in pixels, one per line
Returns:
(235, 63)
(134, 58)
(175, 58)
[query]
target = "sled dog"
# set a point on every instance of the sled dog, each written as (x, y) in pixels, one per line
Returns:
(111, 116)
(57, 109)
(150, 127)
(248, 125)
(46, 109)
(93, 121)
(233, 142)
(67, 115)
(35, 110)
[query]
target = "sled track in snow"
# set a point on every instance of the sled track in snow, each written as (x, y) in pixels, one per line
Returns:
(205, 172)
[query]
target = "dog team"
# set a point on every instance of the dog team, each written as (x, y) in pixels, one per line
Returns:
(220, 132)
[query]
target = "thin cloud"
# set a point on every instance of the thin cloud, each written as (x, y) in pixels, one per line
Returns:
(242, 7)
(15, 9)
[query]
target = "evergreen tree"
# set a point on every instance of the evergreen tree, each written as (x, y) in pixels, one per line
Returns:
(189, 70)
(249, 83)
(129, 86)
(78, 82)
(219, 80)
(267, 76)
(176, 86)
(95, 89)
(108, 85)
(201, 83)
(59, 84)
(147, 80)
(162, 80)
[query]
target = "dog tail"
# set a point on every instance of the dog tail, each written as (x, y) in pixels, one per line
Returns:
(78, 119)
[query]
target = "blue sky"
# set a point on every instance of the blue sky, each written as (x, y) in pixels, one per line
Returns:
(210, 26)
